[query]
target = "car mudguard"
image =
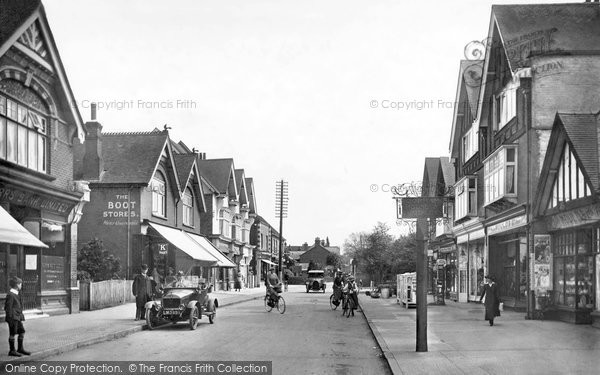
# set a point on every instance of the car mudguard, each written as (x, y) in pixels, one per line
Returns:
(191, 304)
(151, 304)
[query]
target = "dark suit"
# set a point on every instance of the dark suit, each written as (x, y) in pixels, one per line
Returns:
(14, 313)
(142, 290)
(492, 301)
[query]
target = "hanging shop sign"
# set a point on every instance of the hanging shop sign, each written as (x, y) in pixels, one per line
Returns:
(163, 248)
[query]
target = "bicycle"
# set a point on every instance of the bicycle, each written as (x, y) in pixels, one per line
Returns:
(271, 302)
(348, 305)
(334, 300)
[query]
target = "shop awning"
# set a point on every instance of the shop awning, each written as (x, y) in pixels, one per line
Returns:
(184, 242)
(14, 233)
(222, 260)
(268, 262)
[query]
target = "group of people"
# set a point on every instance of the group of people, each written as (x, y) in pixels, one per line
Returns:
(145, 287)
(345, 284)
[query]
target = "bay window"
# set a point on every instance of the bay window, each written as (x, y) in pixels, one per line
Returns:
(465, 202)
(23, 135)
(500, 174)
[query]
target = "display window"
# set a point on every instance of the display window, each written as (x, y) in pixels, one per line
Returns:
(574, 276)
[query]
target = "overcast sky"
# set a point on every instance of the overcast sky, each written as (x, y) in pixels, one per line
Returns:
(342, 99)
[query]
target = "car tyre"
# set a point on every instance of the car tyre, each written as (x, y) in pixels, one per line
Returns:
(194, 318)
(151, 315)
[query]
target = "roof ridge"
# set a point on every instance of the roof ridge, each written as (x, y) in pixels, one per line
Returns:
(153, 132)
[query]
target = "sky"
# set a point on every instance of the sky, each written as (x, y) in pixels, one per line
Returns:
(342, 99)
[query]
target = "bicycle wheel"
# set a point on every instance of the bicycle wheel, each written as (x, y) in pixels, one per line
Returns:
(331, 304)
(281, 305)
(351, 307)
(344, 306)
(267, 307)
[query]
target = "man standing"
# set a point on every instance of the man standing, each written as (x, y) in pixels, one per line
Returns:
(142, 290)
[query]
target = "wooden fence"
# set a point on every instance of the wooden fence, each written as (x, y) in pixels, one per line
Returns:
(94, 296)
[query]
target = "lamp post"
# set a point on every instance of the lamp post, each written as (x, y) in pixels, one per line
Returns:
(281, 200)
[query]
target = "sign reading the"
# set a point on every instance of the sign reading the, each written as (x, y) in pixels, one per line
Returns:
(420, 208)
(121, 211)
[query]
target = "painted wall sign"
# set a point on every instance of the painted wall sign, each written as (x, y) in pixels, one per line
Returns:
(119, 209)
(507, 225)
(53, 272)
(535, 43)
(578, 216)
(30, 199)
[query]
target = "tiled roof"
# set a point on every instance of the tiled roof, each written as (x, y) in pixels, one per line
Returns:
(13, 13)
(217, 171)
(430, 176)
(447, 171)
(131, 157)
(571, 27)
(184, 164)
(251, 197)
(582, 130)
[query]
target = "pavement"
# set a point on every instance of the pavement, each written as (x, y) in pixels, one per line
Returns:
(52, 335)
(460, 341)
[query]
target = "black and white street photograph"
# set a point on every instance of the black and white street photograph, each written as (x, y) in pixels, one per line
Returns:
(335, 187)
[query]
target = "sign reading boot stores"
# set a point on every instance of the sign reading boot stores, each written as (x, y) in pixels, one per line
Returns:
(120, 210)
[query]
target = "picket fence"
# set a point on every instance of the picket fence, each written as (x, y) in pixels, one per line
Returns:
(98, 295)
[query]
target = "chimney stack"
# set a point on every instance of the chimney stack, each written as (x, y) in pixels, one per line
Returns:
(93, 165)
(93, 111)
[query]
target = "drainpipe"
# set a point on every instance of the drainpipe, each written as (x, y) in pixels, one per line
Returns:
(128, 232)
(528, 207)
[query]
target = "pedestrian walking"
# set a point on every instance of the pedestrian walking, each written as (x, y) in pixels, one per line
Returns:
(237, 284)
(286, 280)
(142, 290)
(492, 299)
(14, 317)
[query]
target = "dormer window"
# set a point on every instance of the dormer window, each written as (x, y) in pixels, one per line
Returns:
(506, 104)
(159, 201)
(188, 207)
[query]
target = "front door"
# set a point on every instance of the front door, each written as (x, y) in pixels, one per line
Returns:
(30, 276)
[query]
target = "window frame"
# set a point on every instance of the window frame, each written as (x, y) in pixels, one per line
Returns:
(495, 171)
(505, 104)
(159, 195)
(188, 207)
(465, 200)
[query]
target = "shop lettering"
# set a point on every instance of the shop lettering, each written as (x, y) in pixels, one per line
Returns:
(121, 207)
(507, 225)
(33, 200)
(546, 69)
(575, 217)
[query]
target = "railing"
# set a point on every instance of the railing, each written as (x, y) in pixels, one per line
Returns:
(94, 296)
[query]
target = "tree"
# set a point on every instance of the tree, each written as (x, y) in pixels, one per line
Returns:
(334, 260)
(95, 263)
(288, 262)
(314, 266)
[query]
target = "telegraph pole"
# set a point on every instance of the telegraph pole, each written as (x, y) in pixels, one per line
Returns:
(281, 200)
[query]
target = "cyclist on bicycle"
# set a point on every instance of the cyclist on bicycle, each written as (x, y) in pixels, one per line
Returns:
(351, 289)
(338, 284)
(273, 285)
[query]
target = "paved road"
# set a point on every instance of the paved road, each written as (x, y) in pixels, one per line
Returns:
(308, 339)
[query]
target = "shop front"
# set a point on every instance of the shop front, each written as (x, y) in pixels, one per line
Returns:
(507, 241)
(573, 253)
(471, 263)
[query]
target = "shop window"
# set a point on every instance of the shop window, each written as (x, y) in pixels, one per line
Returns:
(23, 135)
(570, 183)
(574, 268)
(158, 186)
(466, 198)
(188, 207)
(500, 174)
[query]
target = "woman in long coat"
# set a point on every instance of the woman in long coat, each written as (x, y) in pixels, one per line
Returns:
(492, 299)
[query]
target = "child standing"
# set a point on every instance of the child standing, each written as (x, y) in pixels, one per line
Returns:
(14, 317)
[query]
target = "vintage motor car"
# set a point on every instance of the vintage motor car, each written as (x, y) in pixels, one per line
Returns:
(182, 303)
(315, 281)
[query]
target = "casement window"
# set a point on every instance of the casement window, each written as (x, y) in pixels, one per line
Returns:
(225, 225)
(159, 201)
(465, 201)
(188, 207)
(23, 135)
(506, 104)
(469, 144)
(570, 183)
(500, 174)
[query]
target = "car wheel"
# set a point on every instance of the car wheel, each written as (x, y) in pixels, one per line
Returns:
(307, 288)
(151, 321)
(194, 318)
(212, 309)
